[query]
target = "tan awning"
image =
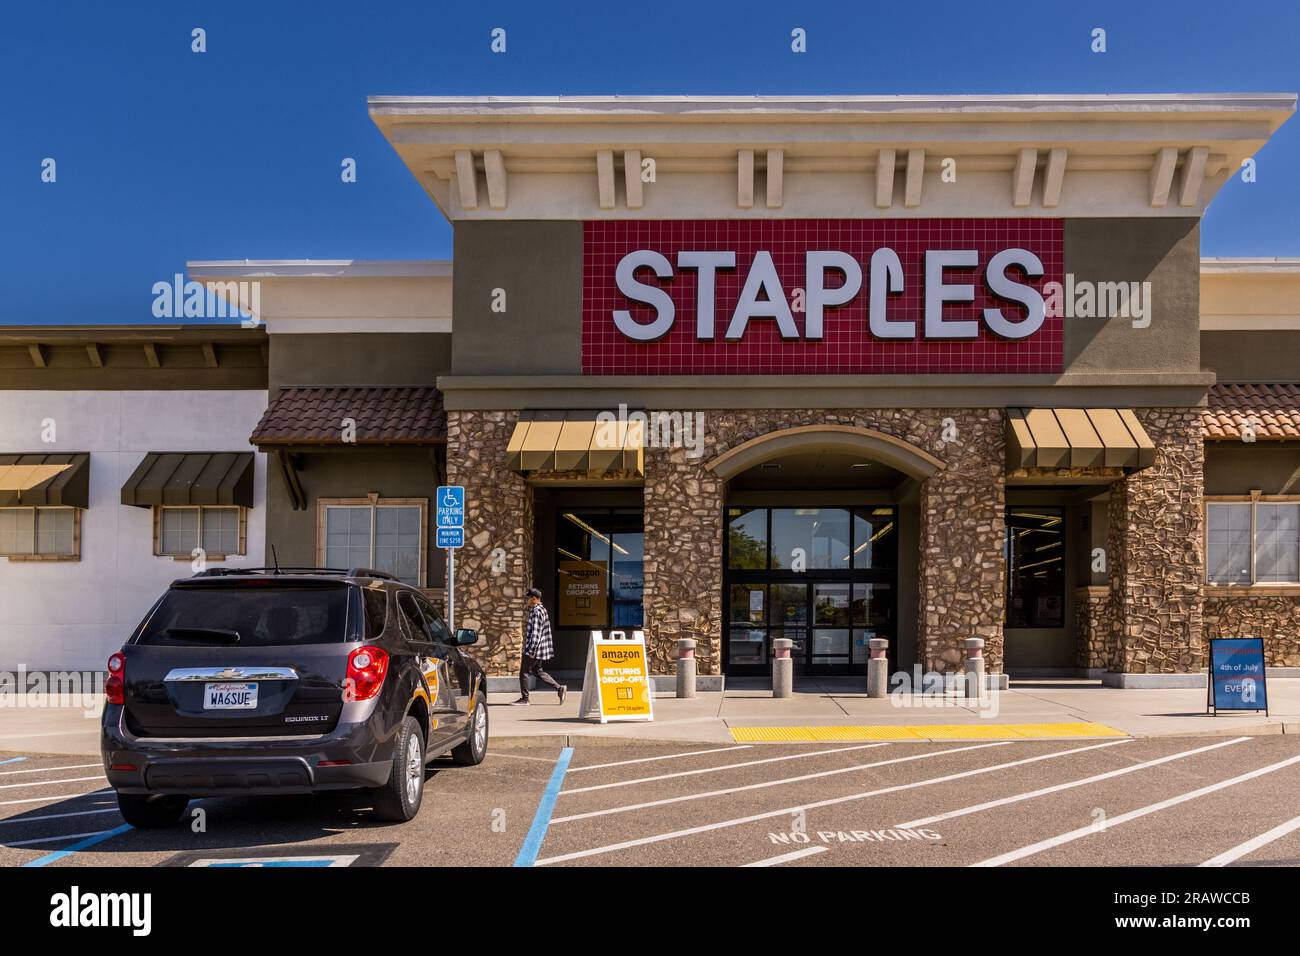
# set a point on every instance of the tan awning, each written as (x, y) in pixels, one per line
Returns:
(1076, 438)
(191, 478)
(40, 479)
(576, 441)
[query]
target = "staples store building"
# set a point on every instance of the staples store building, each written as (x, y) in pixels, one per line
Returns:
(826, 369)
(920, 369)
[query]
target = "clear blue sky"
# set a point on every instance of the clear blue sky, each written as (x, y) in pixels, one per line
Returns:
(165, 155)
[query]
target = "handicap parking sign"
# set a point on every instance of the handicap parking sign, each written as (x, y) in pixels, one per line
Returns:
(450, 501)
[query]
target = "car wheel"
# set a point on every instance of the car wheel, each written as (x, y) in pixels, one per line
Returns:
(399, 799)
(474, 749)
(146, 812)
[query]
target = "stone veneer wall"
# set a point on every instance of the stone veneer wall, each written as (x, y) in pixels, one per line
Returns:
(1154, 548)
(961, 578)
(1093, 628)
(498, 514)
(1275, 618)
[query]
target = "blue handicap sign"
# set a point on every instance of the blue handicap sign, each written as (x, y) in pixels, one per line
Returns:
(450, 538)
(1237, 680)
(450, 503)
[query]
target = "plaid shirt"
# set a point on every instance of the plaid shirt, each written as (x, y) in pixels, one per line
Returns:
(537, 634)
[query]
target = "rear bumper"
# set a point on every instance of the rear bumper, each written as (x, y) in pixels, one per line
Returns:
(207, 767)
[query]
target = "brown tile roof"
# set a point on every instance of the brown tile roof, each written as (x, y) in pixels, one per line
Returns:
(1274, 409)
(383, 415)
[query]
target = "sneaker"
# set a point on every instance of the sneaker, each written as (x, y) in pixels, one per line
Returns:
(562, 691)
(521, 702)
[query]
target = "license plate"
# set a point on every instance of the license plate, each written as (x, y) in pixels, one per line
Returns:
(234, 696)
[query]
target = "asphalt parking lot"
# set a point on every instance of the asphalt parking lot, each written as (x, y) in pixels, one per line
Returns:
(1115, 802)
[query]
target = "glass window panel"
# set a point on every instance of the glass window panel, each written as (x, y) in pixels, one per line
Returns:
(397, 542)
(747, 538)
(1277, 543)
(873, 605)
(747, 646)
(347, 536)
(1035, 561)
(628, 580)
(875, 538)
(178, 530)
(861, 647)
(54, 530)
(821, 533)
(749, 604)
(17, 530)
(831, 641)
(831, 604)
(1227, 557)
(221, 530)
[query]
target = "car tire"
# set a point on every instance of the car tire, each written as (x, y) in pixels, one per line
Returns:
(399, 799)
(145, 812)
(474, 749)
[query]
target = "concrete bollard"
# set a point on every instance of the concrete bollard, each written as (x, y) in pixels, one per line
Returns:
(685, 667)
(878, 668)
(782, 667)
(974, 666)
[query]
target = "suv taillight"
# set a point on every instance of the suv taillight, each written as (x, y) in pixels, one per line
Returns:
(366, 669)
(115, 685)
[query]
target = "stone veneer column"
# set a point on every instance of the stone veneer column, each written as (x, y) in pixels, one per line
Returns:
(498, 514)
(683, 558)
(1155, 551)
(962, 576)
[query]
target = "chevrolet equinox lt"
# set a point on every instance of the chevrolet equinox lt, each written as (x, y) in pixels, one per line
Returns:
(263, 681)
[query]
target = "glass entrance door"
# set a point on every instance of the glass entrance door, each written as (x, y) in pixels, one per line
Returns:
(825, 578)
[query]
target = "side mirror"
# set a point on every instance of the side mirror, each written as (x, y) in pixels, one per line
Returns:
(465, 635)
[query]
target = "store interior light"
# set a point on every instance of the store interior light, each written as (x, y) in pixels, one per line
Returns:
(593, 532)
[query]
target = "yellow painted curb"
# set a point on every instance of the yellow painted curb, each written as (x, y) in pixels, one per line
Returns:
(922, 732)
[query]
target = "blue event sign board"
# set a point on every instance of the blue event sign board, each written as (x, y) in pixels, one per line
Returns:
(450, 506)
(1237, 680)
(450, 538)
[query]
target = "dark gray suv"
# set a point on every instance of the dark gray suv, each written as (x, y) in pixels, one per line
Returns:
(294, 680)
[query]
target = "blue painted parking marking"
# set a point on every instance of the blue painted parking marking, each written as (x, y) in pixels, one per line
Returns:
(79, 846)
(542, 819)
(13, 760)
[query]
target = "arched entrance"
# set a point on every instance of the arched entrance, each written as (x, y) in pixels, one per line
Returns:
(820, 546)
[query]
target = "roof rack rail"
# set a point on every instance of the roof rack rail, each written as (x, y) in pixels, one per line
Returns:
(282, 569)
(371, 573)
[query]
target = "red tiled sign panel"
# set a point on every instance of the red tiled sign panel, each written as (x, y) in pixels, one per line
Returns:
(847, 346)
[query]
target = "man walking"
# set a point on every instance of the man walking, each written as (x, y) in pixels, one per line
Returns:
(538, 648)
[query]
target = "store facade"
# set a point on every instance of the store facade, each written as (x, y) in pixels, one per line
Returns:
(825, 369)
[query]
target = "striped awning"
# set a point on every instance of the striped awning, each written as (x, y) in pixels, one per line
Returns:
(40, 479)
(1076, 438)
(191, 478)
(576, 441)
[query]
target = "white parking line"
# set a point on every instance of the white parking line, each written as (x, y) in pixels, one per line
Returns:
(786, 811)
(926, 821)
(771, 783)
(1250, 846)
(75, 766)
(57, 816)
(689, 753)
(1082, 832)
(728, 766)
(52, 839)
(787, 857)
(54, 797)
(47, 783)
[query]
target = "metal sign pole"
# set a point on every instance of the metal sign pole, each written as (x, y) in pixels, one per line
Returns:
(451, 590)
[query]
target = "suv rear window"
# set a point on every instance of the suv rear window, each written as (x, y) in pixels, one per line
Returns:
(376, 602)
(249, 616)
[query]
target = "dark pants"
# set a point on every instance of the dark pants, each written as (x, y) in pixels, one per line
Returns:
(533, 666)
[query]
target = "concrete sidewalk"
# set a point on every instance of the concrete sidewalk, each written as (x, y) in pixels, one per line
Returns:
(839, 707)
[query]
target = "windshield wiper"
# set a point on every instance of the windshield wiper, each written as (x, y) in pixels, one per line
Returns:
(214, 635)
